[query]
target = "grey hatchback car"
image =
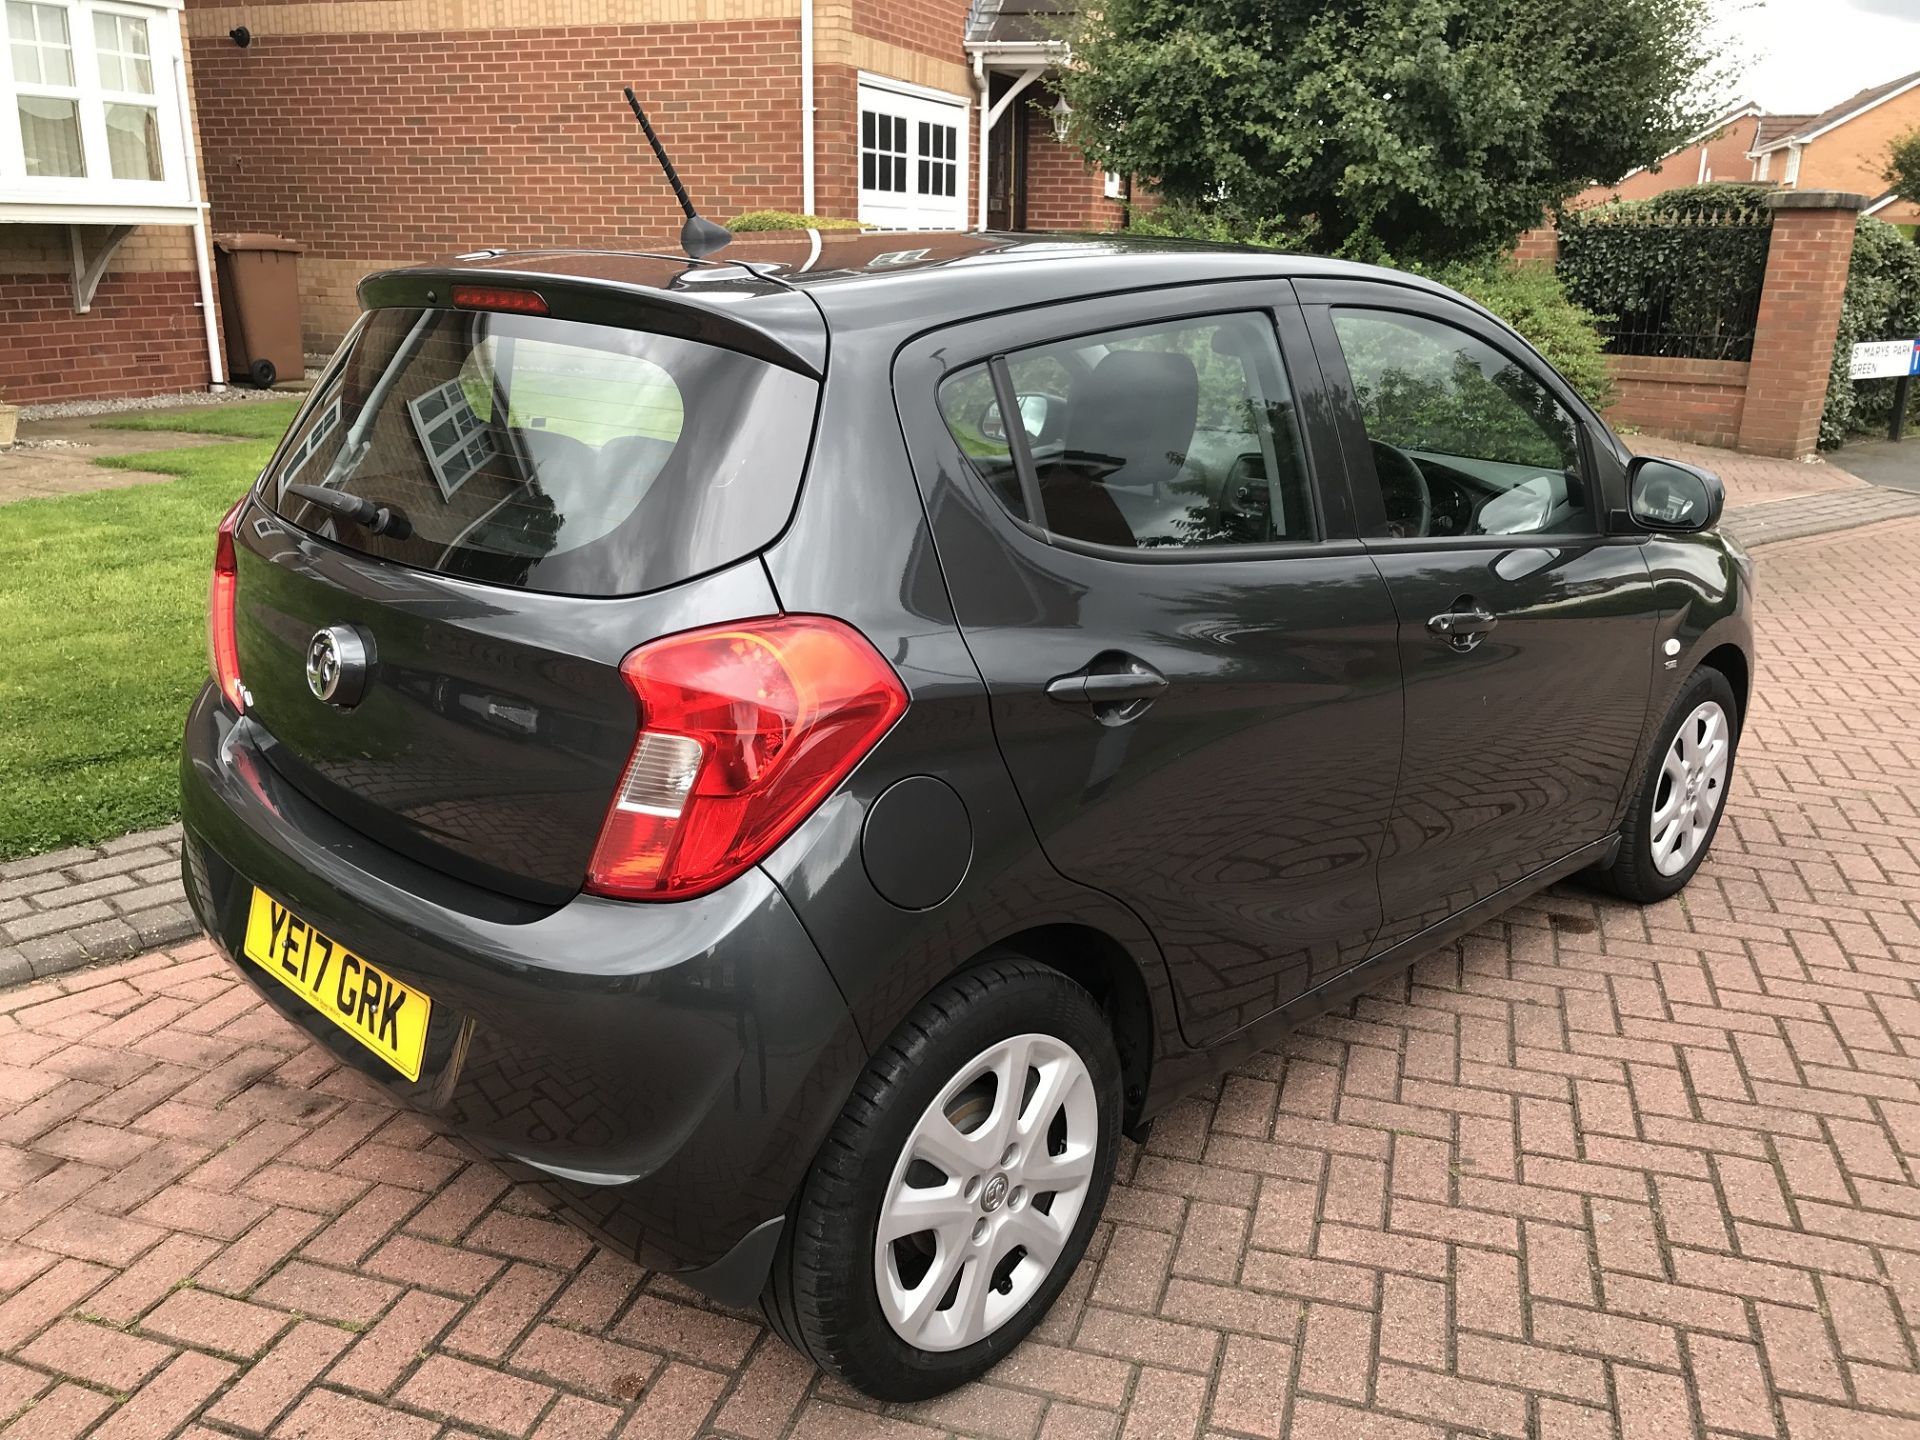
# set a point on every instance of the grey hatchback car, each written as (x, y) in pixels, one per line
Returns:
(795, 754)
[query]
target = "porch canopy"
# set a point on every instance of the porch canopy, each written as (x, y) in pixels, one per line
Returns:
(1019, 40)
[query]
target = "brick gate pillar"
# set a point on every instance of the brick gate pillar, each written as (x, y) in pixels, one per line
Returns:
(1799, 321)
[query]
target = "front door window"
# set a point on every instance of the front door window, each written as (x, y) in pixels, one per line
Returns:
(1465, 440)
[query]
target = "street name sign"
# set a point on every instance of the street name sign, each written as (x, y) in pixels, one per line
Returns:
(1886, 359)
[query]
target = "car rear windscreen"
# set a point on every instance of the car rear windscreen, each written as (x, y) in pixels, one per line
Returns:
(546, 454)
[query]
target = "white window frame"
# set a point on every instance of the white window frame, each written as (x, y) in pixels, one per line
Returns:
(99, 194)
(915, 104)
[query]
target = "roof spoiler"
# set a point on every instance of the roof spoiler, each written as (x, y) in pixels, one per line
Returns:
(785, 328)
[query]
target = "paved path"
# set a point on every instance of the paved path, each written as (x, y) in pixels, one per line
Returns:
(69, 908)
(1595, 1171)
(1882, 462)
(1772, 521)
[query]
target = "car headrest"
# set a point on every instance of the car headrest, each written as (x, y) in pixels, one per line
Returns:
(1138, 408)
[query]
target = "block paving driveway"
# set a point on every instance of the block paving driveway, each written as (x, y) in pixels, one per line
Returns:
(1595, 1171)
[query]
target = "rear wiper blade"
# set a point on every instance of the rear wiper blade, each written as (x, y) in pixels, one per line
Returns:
(380, 519)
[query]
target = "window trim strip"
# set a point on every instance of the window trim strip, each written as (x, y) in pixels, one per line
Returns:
(1017, 445)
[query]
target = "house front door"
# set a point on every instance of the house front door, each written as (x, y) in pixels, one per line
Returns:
(1007, 164)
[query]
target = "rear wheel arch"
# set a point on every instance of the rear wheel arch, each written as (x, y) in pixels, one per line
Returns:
(1104, 968)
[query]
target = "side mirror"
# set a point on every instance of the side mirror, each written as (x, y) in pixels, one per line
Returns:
(1671, 498)
(990, 424)
(1035, 410)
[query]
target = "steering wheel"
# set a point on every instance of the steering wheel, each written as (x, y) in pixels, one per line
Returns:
(1404, 488)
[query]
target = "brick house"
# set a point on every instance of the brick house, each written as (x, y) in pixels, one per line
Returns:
(105, 283)
(1719, 152)
(384, 132)
(1846, 148)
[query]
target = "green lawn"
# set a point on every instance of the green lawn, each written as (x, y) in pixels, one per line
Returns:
(255, 420)
(103, 603)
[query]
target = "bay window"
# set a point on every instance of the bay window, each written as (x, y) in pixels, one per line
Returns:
(90, 106)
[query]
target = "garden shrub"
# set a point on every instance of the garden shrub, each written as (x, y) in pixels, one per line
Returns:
(1530, 298)
(1218, 223)
(1883, 303)
(789, 220)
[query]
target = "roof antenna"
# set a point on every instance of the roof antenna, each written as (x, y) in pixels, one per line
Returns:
(698, 237)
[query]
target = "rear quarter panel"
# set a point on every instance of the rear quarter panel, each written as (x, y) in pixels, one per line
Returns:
(860, 549)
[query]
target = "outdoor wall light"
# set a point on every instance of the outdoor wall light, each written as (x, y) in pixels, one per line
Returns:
(241, 36)
(1062, 115)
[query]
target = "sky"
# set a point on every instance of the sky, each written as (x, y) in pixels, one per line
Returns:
(1809, 55)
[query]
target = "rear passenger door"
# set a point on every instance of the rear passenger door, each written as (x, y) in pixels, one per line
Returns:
(1191, 658)
(1526, 632)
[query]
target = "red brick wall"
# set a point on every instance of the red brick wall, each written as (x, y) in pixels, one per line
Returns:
(1773, 405)
(1063, 191)
(142, 337)
(422, 144)
(1807, 264)
(1700, 401)
(933, 27)
(836, 141)
(1537, 245)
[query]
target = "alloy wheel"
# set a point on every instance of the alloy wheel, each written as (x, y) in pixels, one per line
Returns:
(1693, 786)
(986, 1192)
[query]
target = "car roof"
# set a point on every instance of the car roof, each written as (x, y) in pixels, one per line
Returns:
(856, 280)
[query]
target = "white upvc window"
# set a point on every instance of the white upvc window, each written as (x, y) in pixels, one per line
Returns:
(90, 105)
(1793, 166)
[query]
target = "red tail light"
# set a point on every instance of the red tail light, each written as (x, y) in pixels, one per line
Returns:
(223, 647)
(744, 730)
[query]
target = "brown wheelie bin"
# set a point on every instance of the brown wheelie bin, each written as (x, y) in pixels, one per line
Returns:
(260, 298)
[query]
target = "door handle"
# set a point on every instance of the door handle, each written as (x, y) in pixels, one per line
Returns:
(1457, 624)
(1464, 626)
(1117, 688)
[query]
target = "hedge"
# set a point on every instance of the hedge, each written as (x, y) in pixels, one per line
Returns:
(1883, 303)
(1681, 273)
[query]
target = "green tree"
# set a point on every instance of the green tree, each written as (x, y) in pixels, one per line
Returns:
(1903, 166)
(1421, 129)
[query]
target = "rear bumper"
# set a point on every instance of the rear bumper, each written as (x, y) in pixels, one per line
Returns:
(664, 1073)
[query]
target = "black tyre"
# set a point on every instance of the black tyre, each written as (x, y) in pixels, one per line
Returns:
(958, 1189)
(264, 374)
(1682, 795)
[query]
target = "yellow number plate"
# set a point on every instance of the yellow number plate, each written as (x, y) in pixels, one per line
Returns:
(386, 1016)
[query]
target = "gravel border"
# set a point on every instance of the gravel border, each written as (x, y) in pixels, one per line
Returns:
(184, 400)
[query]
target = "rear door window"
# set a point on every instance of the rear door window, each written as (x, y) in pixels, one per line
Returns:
(548, 454)
(1179, 435)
